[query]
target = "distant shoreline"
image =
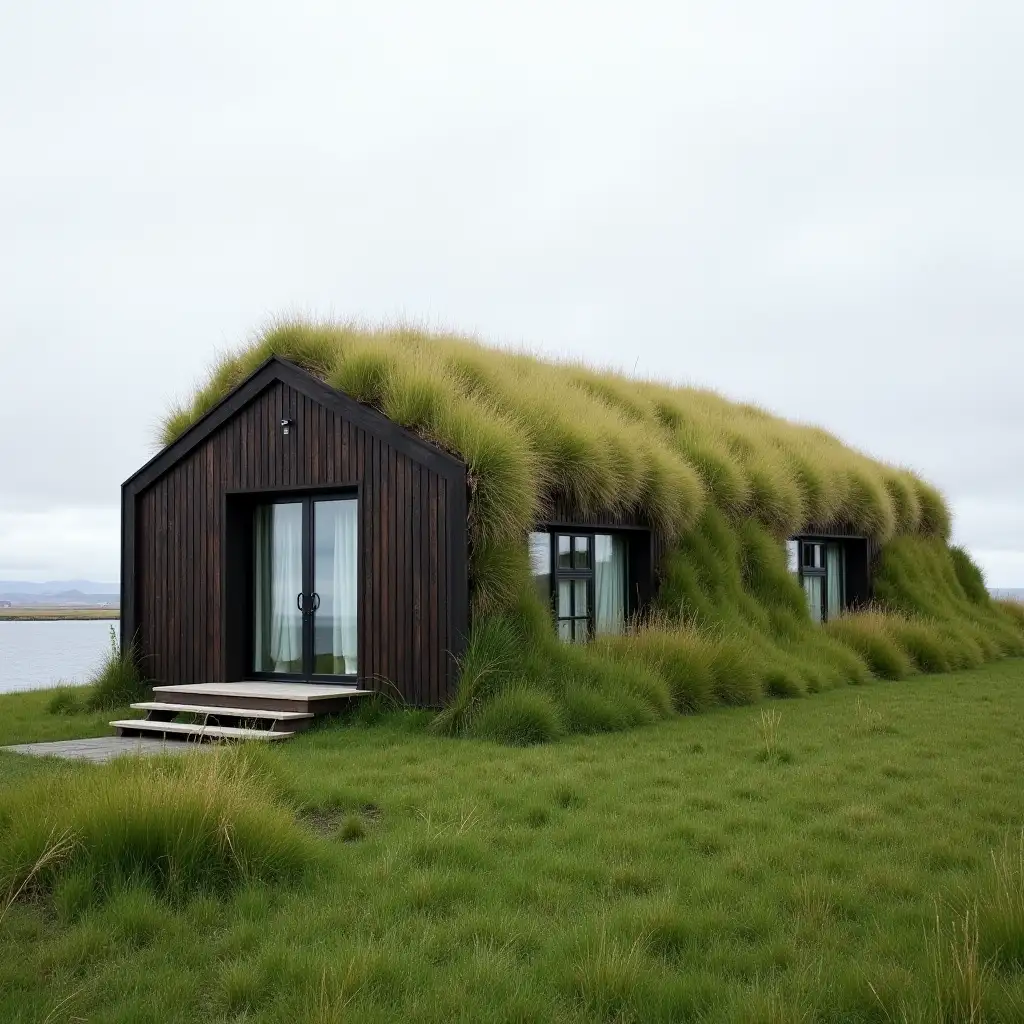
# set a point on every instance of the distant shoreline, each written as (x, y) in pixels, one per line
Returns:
(23, 614)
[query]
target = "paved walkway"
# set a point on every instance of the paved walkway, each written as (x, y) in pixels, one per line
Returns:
(104, 748)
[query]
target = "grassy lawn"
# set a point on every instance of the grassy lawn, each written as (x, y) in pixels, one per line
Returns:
(38, 613)
(826, 859)
(24, 718)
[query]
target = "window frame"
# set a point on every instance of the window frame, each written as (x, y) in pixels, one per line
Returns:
(821, 570)
(571, 575)
(307, 498)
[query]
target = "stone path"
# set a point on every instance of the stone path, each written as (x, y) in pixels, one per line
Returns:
(104, 748)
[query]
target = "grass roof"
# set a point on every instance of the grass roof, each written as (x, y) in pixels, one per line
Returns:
(531, 428)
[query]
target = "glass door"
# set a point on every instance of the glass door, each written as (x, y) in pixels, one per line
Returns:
(305, 581)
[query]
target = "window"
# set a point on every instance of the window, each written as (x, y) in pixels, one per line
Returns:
(822, 573)
(583, 576)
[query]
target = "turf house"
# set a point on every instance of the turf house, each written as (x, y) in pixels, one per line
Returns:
(520, 541)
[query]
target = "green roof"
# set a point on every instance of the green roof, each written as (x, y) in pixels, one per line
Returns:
(530, 428)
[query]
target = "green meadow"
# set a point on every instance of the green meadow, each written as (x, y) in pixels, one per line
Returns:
(568, 839)
(856, 856)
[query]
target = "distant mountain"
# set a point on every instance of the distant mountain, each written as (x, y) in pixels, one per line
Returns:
(73, 593)
(19, 588)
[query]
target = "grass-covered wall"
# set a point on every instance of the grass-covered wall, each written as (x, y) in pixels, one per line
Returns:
(725, 483)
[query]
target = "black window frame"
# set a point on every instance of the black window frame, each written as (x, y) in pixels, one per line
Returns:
(308, 500)
(637, 584)
(572, 575)
(822, 570)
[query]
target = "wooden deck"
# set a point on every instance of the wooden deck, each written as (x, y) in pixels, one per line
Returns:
(255, 709)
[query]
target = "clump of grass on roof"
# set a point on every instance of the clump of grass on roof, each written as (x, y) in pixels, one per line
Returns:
(723, 482)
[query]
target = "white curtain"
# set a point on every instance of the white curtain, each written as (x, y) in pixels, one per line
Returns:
(609, 584)
(278, 625)
(814, 587)
(346, 561)
(834, 591)
(286, 584)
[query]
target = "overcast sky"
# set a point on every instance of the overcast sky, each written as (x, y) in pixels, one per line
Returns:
(814, 206)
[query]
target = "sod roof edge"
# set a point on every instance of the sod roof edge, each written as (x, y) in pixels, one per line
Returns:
(861, 493)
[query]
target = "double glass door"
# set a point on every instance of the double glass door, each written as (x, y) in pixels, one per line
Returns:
(305, 581)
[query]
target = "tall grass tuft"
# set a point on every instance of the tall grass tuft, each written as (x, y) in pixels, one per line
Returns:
(118, 681)
(491, 659)
(869, 635)
(1001, 913)
(67, 700)
(961, 975)
(192, 824)
(520, 717)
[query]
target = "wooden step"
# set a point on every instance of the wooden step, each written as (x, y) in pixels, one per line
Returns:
(160, 706)
(197, 733)
(262, 695)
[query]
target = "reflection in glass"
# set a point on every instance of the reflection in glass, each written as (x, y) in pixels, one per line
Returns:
(540, 565)
(564, 552)
(581, 557)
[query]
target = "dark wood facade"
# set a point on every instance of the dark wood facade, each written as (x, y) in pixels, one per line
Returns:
(187, 548)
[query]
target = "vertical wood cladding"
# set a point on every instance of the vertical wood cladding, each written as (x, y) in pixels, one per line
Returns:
(177, 582)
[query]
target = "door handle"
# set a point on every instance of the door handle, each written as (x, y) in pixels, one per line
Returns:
(301, 602)
(315, 601)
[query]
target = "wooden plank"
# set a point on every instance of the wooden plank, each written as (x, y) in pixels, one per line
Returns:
(366, 553)
(416, 553)
(432, 610)
(308, 441)
(444, 608)
(385, 590)
(458, 587)
(401, 582)
(188, 545)
(174, 657)
(372, 447)
(211, 570)
(180, 565)
(327, 471)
